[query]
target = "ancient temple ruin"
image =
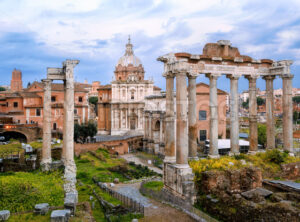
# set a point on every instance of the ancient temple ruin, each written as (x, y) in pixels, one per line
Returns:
(66, 75)
(217, 59)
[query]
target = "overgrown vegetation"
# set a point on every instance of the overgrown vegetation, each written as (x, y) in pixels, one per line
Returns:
(268, 161)
(20, 191)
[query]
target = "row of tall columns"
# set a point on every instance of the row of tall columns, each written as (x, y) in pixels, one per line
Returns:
(234, 115)
(270, 112)
(46, 150)
(287, 105)
(214, 120)
(192, 118)
(252, 114)
(181, 119)
(170, 120)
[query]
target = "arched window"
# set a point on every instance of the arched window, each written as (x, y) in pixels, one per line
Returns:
(157, 125)
(132, 94)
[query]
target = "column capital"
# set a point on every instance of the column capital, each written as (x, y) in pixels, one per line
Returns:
(287, 76)
(192, 75)
(251, 77)
(269, 77)
(181, 73)
(232, 76)
(212, 75)
(168, 75)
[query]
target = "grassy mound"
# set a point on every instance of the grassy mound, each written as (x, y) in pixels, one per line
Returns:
(20, 191)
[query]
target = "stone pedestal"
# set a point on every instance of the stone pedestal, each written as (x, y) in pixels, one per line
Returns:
(179, 180)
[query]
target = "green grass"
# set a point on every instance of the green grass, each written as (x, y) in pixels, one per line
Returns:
(20, 191)
(11, 148)
(147, 156)
(154, 185)
(30, 217)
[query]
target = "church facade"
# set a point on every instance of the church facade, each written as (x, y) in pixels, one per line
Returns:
(121, 104)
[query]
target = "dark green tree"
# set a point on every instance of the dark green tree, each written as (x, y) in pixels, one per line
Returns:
(296, 99)
(93, 100)
(260, 101)
(262, 134)
(296, 116)
(2, 88)
(83, 131)
(245, 105)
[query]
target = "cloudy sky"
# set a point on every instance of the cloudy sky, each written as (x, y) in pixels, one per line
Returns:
(37, 34)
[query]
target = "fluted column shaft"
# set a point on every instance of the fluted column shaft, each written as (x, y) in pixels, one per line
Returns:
(234, 115)
(46, 151)
(192, 118)
(213, 108)
(170, 120)
(270, 112)
(252, 114)
(287, 113)
(181, 119)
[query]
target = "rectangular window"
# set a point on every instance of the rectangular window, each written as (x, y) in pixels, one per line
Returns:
(202, 135)
(15, 104)
(80, 99)
(53, 98)
(38, 112)
(75, 111)
(202, 115)
(54, 126)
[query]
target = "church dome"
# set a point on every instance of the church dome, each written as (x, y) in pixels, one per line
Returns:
(129, 57)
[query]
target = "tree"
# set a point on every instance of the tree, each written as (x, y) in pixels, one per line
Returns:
(296, 99)
(2, 88)
(296, 116)
(260, 101)
(245, 105)
(262, 134)
(83, 131)
(93, 100)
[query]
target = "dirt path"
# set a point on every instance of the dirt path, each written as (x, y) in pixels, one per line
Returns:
(133, 158)
(154, 211)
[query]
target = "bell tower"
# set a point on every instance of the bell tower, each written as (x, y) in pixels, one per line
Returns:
(16, 83)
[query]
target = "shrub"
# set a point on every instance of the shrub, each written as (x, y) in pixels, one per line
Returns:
(275, 156)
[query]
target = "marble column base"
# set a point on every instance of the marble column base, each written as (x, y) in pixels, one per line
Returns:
(169, 159)
(46, 164)
(213, 156)
(193, 158)
(179, 179)
(233, 154)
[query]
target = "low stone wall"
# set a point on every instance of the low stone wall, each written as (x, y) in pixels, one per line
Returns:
(223, 194)
(229, 181)
(119, 147)
(291, 171)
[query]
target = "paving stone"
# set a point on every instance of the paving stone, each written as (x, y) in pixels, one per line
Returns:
(60, 215)
(42, 208)
(4, 215)
(256, 192)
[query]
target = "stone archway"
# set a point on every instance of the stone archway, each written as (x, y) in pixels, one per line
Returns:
(15, 135)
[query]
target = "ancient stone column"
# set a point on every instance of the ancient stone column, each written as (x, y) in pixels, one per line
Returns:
(68, 137)
(161, 129)
(214, 120)
(234, 115)
(181, 119)
(287, 113)
(252, 114)
(270, 112)
(192, 118)
(46, 151)
(170, 120)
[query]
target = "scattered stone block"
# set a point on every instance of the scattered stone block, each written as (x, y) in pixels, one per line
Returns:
(4, 215)
(257, 192)
(112, 184)
(116, 180)
(42, 208)
(135, 220)
(60, 215)
(71, 201)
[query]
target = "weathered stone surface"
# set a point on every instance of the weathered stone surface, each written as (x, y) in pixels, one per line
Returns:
(257, 192)
(60, 215)
(42, 208)
(291, 171)
(116, 180)
(4, 215)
